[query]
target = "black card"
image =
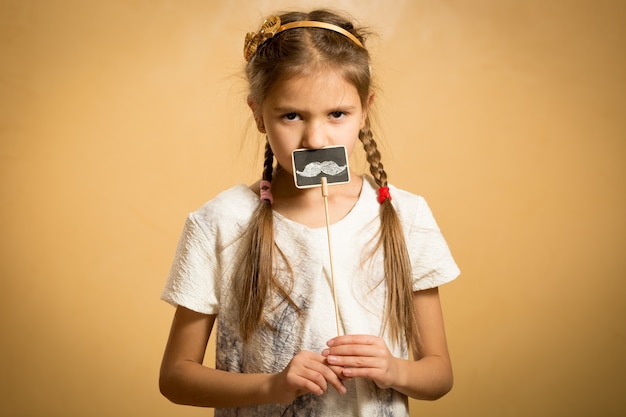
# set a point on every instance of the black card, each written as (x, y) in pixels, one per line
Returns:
(310, 165)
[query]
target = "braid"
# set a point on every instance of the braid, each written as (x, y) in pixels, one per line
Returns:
(268, 164)
(258, 259)
(257, 264)
(397, 265)
(373, 155)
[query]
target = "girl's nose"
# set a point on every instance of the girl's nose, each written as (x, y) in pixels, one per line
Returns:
(314, 136)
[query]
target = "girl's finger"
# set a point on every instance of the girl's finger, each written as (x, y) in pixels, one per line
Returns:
(333, 378)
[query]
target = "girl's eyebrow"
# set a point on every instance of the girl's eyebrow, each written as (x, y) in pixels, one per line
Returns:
(291, 109)
(284, 109)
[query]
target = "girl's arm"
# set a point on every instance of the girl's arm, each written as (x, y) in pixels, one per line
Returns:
(184, 380)
(428, 377)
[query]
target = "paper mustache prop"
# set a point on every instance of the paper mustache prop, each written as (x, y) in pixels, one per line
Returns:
(321, 167)
(311, 165)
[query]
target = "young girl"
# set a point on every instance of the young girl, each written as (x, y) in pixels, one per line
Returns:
(256, 258)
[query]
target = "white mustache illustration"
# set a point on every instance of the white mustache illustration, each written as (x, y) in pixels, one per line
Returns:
(313, 169)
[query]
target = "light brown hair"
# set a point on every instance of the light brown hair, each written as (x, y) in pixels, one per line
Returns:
(296, 52)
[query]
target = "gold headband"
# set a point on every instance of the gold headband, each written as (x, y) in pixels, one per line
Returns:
(271, 27)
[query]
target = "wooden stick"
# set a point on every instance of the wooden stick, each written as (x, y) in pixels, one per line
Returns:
(330, 252)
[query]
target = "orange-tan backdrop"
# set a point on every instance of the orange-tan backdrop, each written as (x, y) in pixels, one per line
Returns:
(118, 117)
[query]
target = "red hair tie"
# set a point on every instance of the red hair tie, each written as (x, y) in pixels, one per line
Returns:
(383, 194)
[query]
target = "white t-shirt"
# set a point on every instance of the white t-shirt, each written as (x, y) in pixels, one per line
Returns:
(203, 279)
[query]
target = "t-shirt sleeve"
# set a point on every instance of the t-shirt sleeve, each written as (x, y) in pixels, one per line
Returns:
(191, 282)
(431, 259)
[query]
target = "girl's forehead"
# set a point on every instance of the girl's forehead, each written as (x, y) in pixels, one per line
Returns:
(313, 86)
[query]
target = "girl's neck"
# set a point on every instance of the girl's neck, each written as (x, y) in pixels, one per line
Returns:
(306, 206)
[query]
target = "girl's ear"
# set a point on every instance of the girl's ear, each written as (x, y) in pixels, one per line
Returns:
(370, 101)
(256, 113)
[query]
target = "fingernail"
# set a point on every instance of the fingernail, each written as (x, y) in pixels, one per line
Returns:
(325, 352)
(330, 342)
(343, 390)
(332, 359)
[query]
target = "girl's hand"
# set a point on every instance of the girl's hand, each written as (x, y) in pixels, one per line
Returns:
(306, 372)
(362, 356)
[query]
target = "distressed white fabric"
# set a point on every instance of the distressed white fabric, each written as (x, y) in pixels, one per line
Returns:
(203, 278)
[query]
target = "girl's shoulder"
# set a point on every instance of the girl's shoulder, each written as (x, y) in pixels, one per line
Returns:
(234, 205)
(412, 209)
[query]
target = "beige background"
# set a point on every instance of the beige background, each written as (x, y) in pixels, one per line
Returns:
(119, 117)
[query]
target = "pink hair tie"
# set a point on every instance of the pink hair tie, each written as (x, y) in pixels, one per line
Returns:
(265, 191)
(383, 194)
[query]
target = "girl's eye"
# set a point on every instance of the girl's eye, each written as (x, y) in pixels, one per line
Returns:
(337, 114)
(291, 116)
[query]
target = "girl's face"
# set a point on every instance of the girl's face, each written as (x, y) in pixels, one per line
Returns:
(310, 111)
